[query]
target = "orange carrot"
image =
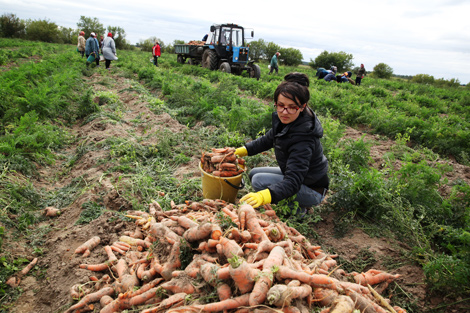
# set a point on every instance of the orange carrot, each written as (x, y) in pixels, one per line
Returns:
(229, 248)
(155, 267)
(265, 281)
(109, 252)
(98, 267)
(51, 211)
(325, 296)
(173, 261)
(354, 286)
(144, 288)
(135, 234)
(342, 303)
(224, 291)
(127, 282)
(228, 166)
(247, 217)
(155, 208)
(314, 280)
(90, 298)
(78, 291)
(226, 173)
(216, 232)
(228, 304)
(242, 274)
(373, 277)
(123, 302)
(204, 247)
(208, 272)
(122, 245)
(177, 285)
(114, 248)
(135, 241)
(121, 267)
(223, 158)
(184, 221)
(202, 231)
(282, 295)
(89, 245)
(105, 300)
(28, 267)
(233, 216)
(172, 301)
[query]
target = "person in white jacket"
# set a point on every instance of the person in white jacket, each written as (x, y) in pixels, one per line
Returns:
(109, 50)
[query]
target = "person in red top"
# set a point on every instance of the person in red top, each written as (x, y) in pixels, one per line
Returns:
(156, 53)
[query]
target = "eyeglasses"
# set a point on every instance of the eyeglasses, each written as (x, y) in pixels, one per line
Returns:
(289, 110)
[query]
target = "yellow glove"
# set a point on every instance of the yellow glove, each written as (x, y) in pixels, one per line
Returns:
(256, 199)
(241, 152)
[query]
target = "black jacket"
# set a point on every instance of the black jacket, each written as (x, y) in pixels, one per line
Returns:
(299, 154)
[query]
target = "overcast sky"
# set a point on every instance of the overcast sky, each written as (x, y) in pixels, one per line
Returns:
(411, 36)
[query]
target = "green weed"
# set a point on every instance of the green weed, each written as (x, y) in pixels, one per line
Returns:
(90, 211)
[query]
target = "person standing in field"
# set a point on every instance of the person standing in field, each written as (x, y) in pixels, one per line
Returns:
(97, 60)
(156, 53)
(81, 43)
(91, 47)
(295, 136)
(109, 50)
(361, 72)
(274, 63)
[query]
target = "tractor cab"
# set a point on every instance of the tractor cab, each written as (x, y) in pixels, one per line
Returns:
(228, 40)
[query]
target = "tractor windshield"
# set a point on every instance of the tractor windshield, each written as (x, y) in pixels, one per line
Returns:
(237, 37)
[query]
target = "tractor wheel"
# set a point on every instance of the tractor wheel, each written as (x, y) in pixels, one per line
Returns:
(179, 59)
(209, 60)
(225, 67)
(255, 71)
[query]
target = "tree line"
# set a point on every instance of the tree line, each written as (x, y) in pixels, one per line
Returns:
(45, 30)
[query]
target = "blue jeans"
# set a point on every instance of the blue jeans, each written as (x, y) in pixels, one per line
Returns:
(262, 177)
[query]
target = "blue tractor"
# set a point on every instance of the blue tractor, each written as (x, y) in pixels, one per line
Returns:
(224, 49)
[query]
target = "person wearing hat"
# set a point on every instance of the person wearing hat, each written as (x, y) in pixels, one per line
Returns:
(92, 48)
(273, 64)
(81, 43)
(156, 52)
(109, 50)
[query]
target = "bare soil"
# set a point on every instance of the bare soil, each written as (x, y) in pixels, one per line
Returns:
(51, 291)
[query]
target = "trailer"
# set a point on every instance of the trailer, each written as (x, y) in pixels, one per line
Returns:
(189, 52)
(225, 49)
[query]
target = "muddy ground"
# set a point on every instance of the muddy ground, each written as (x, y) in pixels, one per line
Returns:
(61, 265)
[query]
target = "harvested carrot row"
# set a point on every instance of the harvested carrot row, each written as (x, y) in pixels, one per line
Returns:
(241, 263)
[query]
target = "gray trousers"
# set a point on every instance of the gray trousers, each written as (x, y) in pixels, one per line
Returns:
(262, 177)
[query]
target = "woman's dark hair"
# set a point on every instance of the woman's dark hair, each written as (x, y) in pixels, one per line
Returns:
(294, 87)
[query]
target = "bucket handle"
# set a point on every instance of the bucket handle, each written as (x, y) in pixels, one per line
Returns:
(242, 185)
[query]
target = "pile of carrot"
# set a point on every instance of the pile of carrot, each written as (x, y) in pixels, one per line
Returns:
(196, 43)
(213, 256)
(222, 162)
